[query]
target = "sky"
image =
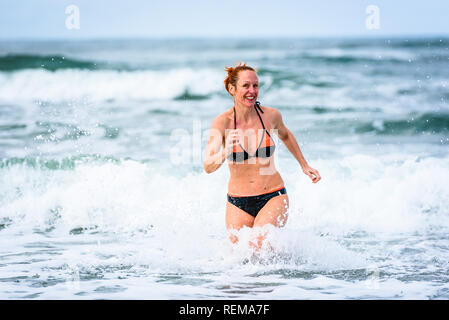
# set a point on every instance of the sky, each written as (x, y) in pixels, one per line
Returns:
(48, 19)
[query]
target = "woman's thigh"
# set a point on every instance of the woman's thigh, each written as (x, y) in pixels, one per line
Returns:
(236, 219)
(274, 212)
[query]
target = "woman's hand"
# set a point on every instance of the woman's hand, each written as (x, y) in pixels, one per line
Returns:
(312, 173)
(232, 139)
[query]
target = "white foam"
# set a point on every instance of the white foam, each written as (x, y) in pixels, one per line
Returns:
(359, 193)
(139, 220)
(70, 84)
(371, 194)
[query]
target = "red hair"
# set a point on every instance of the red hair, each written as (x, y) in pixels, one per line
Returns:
(233, 74)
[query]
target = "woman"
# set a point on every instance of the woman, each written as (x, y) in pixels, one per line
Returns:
(256, 192)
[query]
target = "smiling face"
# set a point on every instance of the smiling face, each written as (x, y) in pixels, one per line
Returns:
(247, 89)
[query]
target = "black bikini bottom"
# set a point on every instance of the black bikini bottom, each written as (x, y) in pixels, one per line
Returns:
(253, 204)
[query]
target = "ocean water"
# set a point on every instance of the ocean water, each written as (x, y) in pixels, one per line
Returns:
(103, 195)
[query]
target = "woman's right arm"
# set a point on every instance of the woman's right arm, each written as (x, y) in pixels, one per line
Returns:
(215, 155)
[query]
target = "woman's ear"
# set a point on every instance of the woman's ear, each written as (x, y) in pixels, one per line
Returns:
(231, 89)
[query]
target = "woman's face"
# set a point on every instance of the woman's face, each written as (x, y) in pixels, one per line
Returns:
(247, 89)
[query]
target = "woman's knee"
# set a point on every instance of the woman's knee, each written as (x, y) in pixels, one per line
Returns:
(234, 239)
(257, 241)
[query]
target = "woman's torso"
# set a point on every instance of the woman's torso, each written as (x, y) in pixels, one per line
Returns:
(257, 174)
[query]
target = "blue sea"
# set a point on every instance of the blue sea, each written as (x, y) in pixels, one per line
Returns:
(103, 193)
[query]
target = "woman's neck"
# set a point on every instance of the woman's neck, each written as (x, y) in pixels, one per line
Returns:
(244, 113)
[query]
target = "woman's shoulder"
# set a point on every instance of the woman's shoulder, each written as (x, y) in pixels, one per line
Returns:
(271, 112)
(223, 119)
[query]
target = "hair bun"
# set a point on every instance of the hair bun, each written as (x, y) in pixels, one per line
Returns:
(230, 70)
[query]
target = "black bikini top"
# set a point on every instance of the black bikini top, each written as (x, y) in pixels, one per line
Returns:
(264, 152)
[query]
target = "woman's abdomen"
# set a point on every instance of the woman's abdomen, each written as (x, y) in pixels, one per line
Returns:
(250, 181)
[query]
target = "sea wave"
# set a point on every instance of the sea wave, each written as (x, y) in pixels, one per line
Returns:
(358, 193)
(15, 62)
(104, 85)
(429, 122)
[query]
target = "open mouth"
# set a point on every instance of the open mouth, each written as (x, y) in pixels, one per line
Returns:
(250, 98)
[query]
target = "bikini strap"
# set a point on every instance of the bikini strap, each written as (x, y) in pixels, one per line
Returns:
(235, 120)
(257, 106)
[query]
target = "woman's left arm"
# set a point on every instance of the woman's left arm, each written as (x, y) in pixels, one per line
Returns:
(292, 145)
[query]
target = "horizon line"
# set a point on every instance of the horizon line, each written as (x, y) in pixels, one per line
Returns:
(233, 37)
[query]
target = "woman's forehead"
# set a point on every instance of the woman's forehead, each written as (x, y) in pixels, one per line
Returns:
(247, 76)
